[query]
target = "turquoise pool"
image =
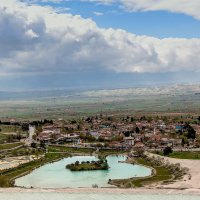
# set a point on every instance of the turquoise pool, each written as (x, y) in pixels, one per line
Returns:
(55, 175)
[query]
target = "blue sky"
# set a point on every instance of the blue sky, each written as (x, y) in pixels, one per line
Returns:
(78, 44)
(159, 24)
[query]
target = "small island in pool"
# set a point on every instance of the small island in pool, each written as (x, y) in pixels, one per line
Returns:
(101, 164)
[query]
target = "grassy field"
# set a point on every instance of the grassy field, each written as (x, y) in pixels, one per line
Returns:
(110, 152)
(76, 107)
(183, 155)
(3, 138)
(10, 145)
(11, 129)
(54, 148)
(6, 132)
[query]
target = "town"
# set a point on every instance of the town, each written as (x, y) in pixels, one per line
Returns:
(107, 132)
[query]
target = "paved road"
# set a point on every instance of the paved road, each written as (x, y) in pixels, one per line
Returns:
(31, 132)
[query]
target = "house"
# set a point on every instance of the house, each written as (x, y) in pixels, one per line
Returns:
(94, 134)
(138, 146)
(176, 142)
(179, 128)
(72, 138)
(44, 137)
(166, 142)
(129, 141)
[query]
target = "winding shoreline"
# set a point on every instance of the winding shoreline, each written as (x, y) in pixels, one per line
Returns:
(113, 182)
(182, 187)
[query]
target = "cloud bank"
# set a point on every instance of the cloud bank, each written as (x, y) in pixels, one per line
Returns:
(37, 39)
(188, 7)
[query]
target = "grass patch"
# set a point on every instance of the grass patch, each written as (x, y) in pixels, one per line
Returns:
(55, 149)
(106, 152)
(4, 182)
(10, 145)
(162, 174)
(182, 155)
(102, 152)
(12, 129)
(3, 138)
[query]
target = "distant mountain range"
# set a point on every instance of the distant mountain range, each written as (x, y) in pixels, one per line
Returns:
(162, 90)
(137, 91)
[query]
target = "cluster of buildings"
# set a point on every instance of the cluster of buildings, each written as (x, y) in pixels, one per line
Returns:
(53, 134)
(110, 133)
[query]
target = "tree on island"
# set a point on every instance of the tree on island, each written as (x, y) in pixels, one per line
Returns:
(100, 164)
(77, 163)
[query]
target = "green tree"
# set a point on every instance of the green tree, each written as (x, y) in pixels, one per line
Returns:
(137, 130)
(184, 141)
(34, 136)
(79, 127)
(77, 163)
(167, 151)
(190, 132)
(33, 145)
(132, 119)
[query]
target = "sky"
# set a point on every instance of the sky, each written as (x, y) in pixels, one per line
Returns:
(48, 44)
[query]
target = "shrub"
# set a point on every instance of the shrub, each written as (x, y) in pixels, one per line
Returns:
(95, 186)
(167, 151)
(77, 163)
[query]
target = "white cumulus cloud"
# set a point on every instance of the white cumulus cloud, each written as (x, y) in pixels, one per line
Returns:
(97, 13)
(188, 7)
(37, 39)
(106, 2)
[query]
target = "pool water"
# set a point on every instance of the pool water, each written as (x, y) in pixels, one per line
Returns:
(55, 175)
